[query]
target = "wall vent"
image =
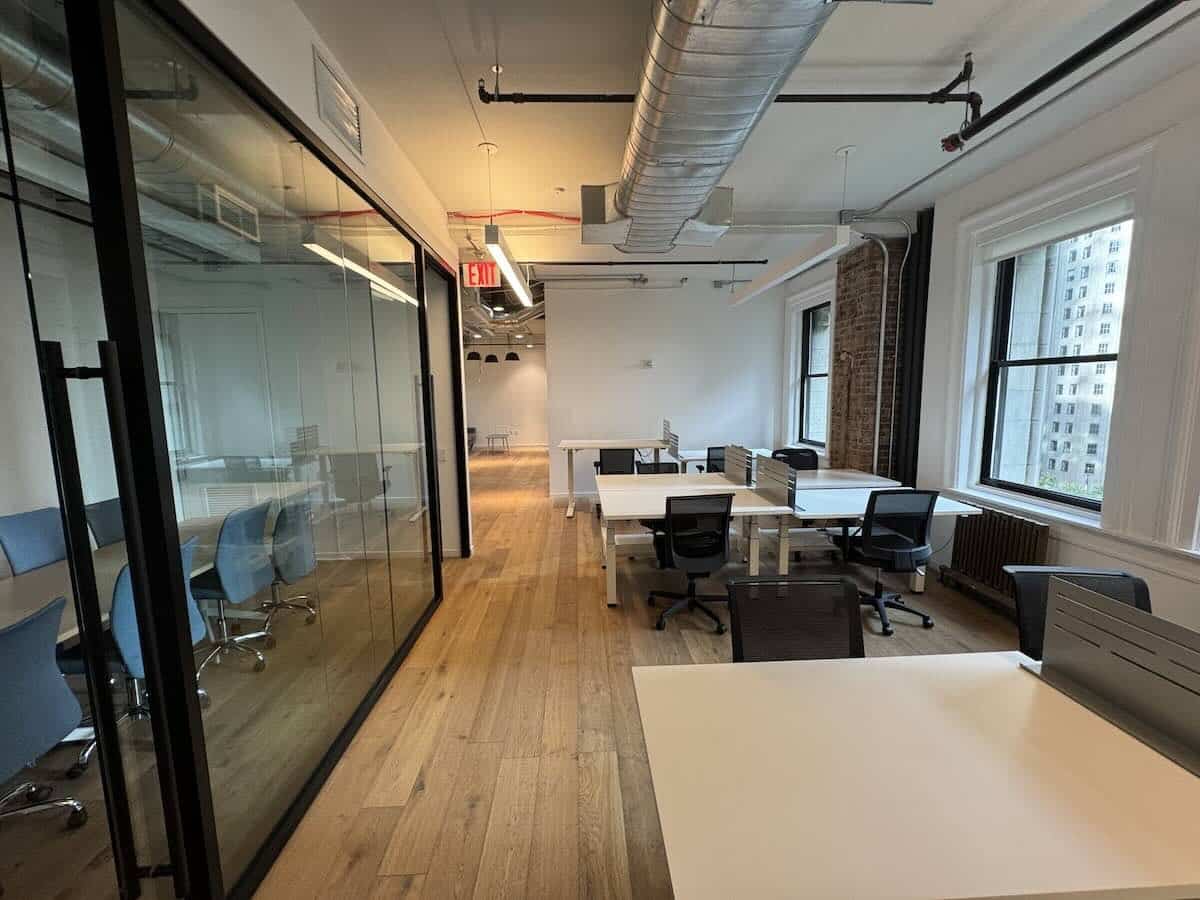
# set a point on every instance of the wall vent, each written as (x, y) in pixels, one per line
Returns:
(218, 205)
(336, 104)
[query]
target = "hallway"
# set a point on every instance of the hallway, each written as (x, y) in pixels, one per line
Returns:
(506, 757)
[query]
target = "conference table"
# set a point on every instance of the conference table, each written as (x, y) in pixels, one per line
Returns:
(907, 777)
(571, 446)
(24, 594)
(632, 498)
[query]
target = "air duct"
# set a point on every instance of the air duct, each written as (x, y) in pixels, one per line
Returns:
(712, 68)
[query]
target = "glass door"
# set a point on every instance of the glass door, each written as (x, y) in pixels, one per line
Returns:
(80, 750)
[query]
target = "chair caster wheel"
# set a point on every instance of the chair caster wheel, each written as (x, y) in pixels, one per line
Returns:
(310, 618)
(660, 625)
(260, 665)
(39, 793)
(202, 696)
(77, 819)
(269, 642)
(888, 632)
(720, 629)
(927, 623)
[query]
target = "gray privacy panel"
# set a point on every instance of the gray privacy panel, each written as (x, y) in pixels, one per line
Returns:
(738, 465)
(1140, 672)
(775, 480)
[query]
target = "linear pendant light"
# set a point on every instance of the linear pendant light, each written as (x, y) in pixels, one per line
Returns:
(373, 272)
(830, 246)
(503, 257)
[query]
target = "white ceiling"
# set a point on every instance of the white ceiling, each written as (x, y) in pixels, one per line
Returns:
(401, 58)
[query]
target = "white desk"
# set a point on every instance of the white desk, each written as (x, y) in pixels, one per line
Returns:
(701, 456)
(655, 444)
(850, 504)
(907, 777)
(651, 503)
(696, 482)
(819, 479)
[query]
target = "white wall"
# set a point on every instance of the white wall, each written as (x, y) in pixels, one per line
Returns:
(508, 397)
(717, 369)
(1150, 509)
(275, 40)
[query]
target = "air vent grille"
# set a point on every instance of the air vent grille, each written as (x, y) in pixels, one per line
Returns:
(337, 105)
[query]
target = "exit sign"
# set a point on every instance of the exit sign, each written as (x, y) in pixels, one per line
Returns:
(481, 274)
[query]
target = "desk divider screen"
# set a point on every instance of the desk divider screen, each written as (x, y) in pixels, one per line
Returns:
(776, 481)
(738, 465)
(672, 440)
(666, 430)
(1140, 672)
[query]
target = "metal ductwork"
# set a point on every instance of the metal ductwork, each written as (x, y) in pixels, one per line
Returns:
(712, 68)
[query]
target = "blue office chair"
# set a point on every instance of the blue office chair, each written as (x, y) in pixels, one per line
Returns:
(37, 710)
(242, 568)
(104, 518)
(294, 554)
(125, 648)
(33, 539)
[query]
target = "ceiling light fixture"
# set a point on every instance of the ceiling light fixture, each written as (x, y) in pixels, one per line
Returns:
(373, 272)
(511, 356)
(831, 246)
(529, 346)
(519, 336)
(491, 357)
(503, 257)
(473, 356)
(498, 309)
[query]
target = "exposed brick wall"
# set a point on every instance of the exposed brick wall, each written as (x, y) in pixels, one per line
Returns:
(855, 355)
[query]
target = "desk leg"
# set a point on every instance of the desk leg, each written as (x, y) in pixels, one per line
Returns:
(610, 572)
(753, 537)
(916, 581)
(657, 455)
(570, 484)
(785, 538)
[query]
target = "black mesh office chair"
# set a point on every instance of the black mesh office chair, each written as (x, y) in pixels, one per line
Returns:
(714, 461)
(797, 457)
(697, 544)
(658, 526)
(894, 538)
(776, 617)
(613, 462)
(1033, 585)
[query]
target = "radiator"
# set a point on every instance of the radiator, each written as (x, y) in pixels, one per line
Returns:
(984, 544)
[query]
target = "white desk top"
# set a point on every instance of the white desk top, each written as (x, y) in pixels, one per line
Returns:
(652, 504)
(693, 482)
(701, 454)
(641, 443)
(851, 503)
(907, 777)
(818, 479)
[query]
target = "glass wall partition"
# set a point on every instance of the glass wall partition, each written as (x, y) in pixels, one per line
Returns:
(286, 315)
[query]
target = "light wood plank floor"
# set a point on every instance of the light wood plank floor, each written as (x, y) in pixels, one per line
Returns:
(506, 758)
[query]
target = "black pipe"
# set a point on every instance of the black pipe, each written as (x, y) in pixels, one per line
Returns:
(650, 262)
(971, 97)
(1075, 61)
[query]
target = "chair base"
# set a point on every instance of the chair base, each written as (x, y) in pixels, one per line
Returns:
(298, 603)
(31, 798)
(883, 600)
(690, 602)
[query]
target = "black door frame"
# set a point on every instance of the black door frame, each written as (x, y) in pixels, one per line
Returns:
(150, 515)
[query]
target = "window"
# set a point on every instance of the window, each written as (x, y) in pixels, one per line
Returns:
(1110, 287)
(1084, 272)
(1066, 332)
(1087, 251)
(1071, 275)
(1054, 445)
(1089, 468)
(1110, 268)
(1072, 256)
(815, 335)
(1094, 428)
(1068, 296)
(1116, 229)
(1025, 394)
(1114, 246)
(1082, 291)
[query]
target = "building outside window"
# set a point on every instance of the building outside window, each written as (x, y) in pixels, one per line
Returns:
(816, 334)
(1025, 387)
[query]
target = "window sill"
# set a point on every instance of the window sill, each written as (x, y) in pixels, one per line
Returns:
(1021, 504)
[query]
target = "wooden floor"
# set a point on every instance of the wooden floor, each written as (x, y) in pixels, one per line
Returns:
(506, 758)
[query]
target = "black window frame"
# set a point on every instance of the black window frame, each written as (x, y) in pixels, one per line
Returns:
(806, 318)
(998, 362)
